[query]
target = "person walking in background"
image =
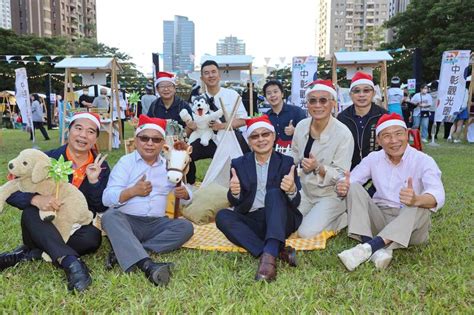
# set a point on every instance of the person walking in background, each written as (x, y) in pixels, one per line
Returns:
(102, 101)
(38, 116)
(456, 130)
(395, 97)
(421, 113)
(147, 99)
(434, 96)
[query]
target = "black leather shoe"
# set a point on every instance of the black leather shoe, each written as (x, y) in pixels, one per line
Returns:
(111, 260)
(157, 273)
(288, 255)
(18, 255)
(78, 277)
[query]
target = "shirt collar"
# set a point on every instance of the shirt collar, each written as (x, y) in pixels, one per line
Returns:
(404, 156)
(158, 162)
(265, 163)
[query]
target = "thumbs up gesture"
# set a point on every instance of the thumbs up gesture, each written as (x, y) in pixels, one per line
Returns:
(309, 164)
(342, 186)
(234, 182)
(407, 195)
(290, 129)
(143, 187)
(288, 181)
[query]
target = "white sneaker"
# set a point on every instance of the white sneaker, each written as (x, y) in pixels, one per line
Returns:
(351, 258)
(382, 258)
(424, 140)
(457, 141)
(449, 139)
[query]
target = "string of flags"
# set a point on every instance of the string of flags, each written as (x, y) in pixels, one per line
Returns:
(43, 59)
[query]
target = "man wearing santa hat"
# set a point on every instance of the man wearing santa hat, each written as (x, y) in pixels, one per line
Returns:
(409, 189)
(168, 105)
(264, 192)
(323, 146)
(361, 117)
(137, 197)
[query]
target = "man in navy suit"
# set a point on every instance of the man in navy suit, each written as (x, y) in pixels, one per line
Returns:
(264, 192)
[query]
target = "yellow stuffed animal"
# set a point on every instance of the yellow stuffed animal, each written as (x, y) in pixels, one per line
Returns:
(30, 170)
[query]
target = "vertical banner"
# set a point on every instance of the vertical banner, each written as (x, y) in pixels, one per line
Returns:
(22, 96)
(156, 66)
(452, 84)
(411, 86)
(304, 71)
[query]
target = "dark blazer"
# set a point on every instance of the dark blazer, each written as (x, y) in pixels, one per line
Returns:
(92, 192)
(246, 170)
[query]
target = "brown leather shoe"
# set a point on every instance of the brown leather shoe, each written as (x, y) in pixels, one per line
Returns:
(266, 268)
(288, 255)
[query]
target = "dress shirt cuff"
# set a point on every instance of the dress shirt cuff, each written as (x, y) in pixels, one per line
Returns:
(292, 195)
(190, 193)
(114, 199)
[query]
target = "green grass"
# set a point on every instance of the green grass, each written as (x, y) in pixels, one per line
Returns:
(432, 278)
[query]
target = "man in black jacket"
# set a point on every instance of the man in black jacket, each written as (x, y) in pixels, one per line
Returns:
(361, 117)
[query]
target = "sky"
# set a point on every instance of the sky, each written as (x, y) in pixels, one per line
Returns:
(272, 29)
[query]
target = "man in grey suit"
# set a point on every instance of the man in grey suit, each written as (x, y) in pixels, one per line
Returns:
(136, 195)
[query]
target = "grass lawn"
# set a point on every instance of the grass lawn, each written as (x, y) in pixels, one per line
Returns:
(432, 278)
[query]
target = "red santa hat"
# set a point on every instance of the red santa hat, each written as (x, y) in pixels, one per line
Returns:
(388, 120)
(95, 118)
(145, 122)
(165, 77)
(361, 78)
(322, 85)
(258, 122)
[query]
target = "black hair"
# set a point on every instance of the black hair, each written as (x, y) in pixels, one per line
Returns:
(272, 82)
(209, 63)
(35, 97)
(423, 86)
(74, 121)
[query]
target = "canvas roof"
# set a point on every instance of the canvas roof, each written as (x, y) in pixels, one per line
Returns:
(363, 57)
(104, 63)
(230, 60)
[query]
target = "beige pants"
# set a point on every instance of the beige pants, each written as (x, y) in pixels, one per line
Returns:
(403, 226)
(328, 213)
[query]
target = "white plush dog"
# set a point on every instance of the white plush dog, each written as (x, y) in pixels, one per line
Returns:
(30, 170)
(202, 117)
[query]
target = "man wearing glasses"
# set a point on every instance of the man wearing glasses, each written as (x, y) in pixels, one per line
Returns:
(264, 192)
(323, 147)
(168, 105)
(136, 195)
(362, 116)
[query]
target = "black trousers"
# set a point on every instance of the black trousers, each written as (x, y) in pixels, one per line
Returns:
(39, 125)
(44, 235)
(251, 230)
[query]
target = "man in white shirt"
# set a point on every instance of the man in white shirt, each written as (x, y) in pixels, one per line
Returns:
(136, 194)
(215, 94)
(409, 188)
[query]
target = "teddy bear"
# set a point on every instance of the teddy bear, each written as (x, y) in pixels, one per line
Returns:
(29, 173)
(202, 116)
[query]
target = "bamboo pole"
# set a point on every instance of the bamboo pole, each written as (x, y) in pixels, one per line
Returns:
(251, 92)
(65, 100)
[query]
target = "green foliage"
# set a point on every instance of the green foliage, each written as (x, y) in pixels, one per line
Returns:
(434, 278)
(134, 98)
(434, 26)
(60, 170)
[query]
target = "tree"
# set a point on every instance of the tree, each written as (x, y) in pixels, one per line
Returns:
(434, 26)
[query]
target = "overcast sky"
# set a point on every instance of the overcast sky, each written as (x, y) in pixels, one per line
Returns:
(269, 28)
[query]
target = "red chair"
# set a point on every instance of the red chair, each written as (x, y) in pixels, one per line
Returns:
(414, 139)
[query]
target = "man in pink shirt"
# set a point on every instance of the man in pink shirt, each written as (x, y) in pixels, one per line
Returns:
(409, 188)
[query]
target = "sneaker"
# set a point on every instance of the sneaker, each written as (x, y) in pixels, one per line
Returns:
(382, 258)
(457, 141)
(449, 139)
(424, 140)
(352, 258)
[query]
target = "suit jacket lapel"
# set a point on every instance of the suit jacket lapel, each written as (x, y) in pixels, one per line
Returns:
(273, 175)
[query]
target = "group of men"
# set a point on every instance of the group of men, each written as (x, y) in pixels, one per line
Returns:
(265, 191)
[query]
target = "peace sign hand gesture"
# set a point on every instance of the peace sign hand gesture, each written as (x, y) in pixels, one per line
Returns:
(93, 170)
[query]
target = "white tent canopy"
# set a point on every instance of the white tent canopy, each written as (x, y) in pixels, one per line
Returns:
(87, 63)
(238, 61)
(362, 57)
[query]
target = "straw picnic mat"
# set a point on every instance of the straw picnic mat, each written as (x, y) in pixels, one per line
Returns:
(208, 237)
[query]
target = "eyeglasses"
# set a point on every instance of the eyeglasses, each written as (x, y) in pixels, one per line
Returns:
(322, 100)
(264, 135)
(166, 87)
(145, 139)
(358, 91)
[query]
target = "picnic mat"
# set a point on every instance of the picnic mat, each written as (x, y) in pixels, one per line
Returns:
(208, 237)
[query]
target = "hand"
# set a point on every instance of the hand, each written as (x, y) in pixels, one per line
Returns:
(93, 170)
(46, 203)
(407, 195)
(216, 126)
(143, 187)
(309, 164)
(288, 182)
(191, 124)
(181, 192)
(290, 129)
(342, 186)
(234, 183)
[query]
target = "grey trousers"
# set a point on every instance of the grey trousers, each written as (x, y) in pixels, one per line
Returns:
(131, 236)
(403, 226)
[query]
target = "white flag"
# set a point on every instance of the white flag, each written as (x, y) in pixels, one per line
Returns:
(22, 96)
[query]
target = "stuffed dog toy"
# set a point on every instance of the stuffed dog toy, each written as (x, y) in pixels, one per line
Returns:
(202, 117)
(30, 172)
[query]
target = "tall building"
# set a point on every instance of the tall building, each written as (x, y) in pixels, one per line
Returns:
(178, 45)
(350, 25)
(230, 45)
(5, 14)
(46, 18)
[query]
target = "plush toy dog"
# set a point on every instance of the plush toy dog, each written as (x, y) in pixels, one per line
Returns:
(202, 117)
(30, 172)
